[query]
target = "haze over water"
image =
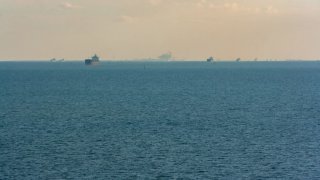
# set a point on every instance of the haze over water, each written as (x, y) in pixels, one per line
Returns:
(152, 120)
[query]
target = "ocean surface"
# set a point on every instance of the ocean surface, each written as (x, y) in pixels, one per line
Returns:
(160, 120)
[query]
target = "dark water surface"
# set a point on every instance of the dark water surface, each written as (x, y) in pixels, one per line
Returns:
(155, 120)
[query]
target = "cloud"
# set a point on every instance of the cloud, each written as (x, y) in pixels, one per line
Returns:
(230, 6)
(271, 10)
(68, 5)
(128, 19)
(237, 7)
(233, 6)
(202, 4)
(154, 2)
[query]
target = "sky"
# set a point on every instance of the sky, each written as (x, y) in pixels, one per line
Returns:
(137, 29)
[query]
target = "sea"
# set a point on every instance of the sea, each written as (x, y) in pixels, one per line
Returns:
(160, 120)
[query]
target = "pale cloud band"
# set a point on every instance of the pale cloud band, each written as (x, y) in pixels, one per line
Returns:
(69, 5)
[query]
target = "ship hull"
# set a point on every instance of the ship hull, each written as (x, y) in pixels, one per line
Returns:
(90, 62)
(93, 61)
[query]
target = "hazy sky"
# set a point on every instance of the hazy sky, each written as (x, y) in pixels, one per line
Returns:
(132, 29)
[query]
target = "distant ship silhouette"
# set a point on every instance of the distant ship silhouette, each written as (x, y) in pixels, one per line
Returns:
(165, 56)
(93, 61)
(56, 60)
(210, 59)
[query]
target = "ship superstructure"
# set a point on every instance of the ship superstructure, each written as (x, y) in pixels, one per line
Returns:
(210, 59)
(94, 60)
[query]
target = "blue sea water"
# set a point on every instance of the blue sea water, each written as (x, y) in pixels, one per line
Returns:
(160, 120)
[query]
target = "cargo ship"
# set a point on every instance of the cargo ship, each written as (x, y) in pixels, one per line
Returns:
(210, 59)
(93, 61)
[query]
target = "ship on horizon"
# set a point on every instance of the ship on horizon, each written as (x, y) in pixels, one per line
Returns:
(93, 61)
(56, 60)
(165, 57)
(210, 59)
